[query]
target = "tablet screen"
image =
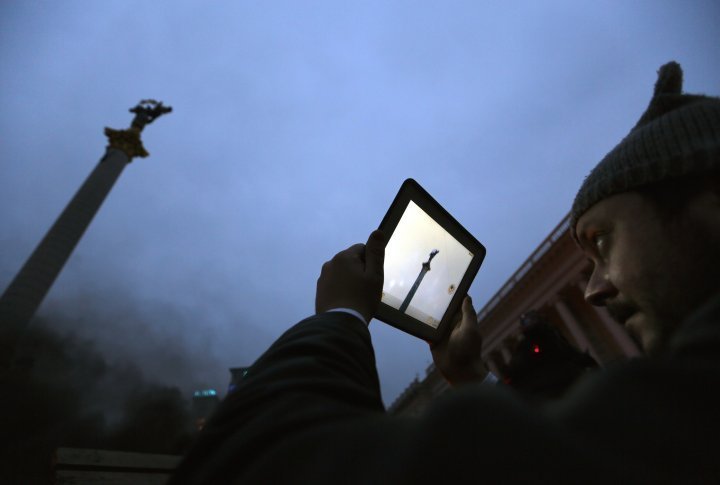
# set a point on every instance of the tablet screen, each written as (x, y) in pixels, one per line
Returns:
(424, 265)
(430, 263)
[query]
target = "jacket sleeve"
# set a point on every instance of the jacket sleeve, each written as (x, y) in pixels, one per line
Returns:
(310, 411)
(321, 371)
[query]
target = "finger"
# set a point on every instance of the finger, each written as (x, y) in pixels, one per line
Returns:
(324, 268)
(356, 250)
(375, 252)
(469, 316)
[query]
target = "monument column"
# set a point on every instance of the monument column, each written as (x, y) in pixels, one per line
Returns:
(423, 270)
(27, 290)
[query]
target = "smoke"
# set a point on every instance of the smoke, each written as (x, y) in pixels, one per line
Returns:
(110, 363)
(166, 342)
(63, 392)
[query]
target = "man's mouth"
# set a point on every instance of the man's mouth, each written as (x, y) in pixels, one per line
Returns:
(626, 323)
(627, 316)
(621, 313)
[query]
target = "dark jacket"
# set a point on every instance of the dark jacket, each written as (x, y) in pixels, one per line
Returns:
(309, 411)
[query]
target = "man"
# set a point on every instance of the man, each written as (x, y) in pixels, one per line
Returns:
(309, 410)
(648, 215)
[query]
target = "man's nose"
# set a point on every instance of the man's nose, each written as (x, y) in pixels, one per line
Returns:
(599, 289)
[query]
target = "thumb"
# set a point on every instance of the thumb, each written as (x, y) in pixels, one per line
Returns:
(468, 311)
(375, 252)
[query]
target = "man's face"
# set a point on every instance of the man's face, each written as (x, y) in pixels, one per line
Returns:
(649, 271)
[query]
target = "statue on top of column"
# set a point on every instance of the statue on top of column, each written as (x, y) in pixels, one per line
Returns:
(147, 111)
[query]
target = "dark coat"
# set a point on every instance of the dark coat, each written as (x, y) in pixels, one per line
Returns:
(309, 411)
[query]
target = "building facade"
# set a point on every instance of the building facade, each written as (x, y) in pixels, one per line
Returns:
(552, 282)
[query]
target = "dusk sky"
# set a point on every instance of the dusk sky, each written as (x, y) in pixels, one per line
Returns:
(294, 124)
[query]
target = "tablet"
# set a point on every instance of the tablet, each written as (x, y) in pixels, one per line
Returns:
(430, 262)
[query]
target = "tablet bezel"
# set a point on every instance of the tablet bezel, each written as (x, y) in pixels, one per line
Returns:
(412, 191)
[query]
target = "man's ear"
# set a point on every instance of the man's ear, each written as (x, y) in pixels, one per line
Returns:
(713, 184)
(706, 206)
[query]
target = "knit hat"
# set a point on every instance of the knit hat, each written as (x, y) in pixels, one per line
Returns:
(678, 135)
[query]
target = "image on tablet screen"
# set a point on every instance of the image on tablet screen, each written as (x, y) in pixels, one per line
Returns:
(423, 266)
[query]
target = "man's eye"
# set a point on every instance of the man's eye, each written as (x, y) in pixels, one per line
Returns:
(599, 242)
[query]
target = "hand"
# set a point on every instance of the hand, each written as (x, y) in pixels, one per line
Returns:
(353, 278)
(458, 355)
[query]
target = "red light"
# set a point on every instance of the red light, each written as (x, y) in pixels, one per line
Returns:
(536, 349)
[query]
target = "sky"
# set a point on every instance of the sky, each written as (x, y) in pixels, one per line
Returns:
(293, 126)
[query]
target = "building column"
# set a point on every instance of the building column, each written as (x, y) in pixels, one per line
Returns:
(506, 355)
(493, 361)
(572, 325)
(492, 367)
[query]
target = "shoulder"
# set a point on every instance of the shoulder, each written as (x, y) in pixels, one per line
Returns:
(657, 414)
(330, 323)
(699, 335)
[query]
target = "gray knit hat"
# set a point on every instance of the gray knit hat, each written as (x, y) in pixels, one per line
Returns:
(679, 134)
